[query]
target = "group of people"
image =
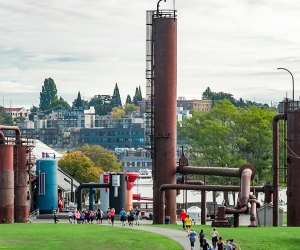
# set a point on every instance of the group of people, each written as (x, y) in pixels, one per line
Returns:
(89, 216)
(217, 241)
(132, 216)
(85, 216)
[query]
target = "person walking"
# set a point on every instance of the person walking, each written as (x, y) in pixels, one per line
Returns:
(99, 216)
(130, 218)
(82, 215)
(123, 216)
(77, 216)
(112, 216)
(205, 245)
(56, 220)
(201, 237)
(91, 215)
(70, 216)
(233, 244)
(188, 224)
(214, 237)
(137, 216)
(220, 244)
(182, 218)
(227, 245)
(192, 237)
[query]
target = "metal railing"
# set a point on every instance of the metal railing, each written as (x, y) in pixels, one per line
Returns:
(34, 215)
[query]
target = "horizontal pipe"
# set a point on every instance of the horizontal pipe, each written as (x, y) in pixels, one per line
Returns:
(236, 210)
(233, 172)
(208, 187)
(16, 129)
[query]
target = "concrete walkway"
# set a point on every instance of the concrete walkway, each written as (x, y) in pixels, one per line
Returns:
(174, 234)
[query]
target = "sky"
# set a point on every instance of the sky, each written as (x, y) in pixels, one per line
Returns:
(232, 46)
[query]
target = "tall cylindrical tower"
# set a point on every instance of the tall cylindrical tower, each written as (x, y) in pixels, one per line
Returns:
(164, 40)
(293, 168)
(22, 187)
(6, 184)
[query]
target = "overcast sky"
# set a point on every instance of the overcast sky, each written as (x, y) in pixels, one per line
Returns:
(233, 46)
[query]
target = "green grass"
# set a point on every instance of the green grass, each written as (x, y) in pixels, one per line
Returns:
(70, 236)
(259, 238)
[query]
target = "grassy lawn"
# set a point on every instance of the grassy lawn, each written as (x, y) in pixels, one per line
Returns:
(259, 238)
(70, 236)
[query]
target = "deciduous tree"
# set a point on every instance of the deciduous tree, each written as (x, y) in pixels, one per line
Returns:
(101, 157)
(80, 167)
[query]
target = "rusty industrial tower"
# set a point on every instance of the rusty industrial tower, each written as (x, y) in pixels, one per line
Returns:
(161, 93)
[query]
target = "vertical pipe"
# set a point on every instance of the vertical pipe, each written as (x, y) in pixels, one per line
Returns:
(165, 101)
(276, 167)
(245, 186)
(203, 207)
(293, 168)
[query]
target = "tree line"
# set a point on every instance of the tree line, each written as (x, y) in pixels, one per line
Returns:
(103, 104)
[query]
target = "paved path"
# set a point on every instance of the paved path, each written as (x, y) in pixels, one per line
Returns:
(174, 234)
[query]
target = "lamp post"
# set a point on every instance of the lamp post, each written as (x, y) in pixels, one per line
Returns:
(292, 82)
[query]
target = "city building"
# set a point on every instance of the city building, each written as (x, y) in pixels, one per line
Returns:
(195, 105)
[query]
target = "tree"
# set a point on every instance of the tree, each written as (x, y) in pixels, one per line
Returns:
(207, 94)
(128, 99)
(137, 96)
(5, 119)
(101, 157)
(48, 94)
(117, 113)
(116, 99)
(218, 96)
(59, 103)
(130, 107)
(78, 102)
(231, 136)
(80, 167)
(102, 104)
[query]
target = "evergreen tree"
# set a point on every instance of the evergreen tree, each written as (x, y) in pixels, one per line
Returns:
(116, 99)
(207, 94)
(78, 102)
(128, 99)
(137, 96)
(48, 94)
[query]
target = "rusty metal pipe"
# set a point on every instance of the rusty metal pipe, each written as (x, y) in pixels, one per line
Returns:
(245, 186)
(2, 138)
(16, 129)
(232, 172)
(195, 187)
(276, 119)
(219, 171)
(236, 210)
